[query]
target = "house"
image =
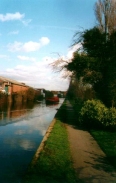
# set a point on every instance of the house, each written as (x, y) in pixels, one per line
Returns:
(9, 86)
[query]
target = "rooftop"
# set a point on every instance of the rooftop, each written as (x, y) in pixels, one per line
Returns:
(11, 81)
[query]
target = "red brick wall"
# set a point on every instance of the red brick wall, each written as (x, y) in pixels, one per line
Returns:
(18, 88)
(10, 89)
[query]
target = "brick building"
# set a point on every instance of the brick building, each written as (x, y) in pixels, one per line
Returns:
(11, 86)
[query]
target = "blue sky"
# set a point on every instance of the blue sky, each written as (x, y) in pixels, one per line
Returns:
(32, 32)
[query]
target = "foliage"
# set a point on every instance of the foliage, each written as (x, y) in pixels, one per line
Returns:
(48, 94)
(54, 164)
(94, 43)
(3, 99)
(80, 91)
(83, 66)
(95, 63)
(91, 65)
(111, 71)
(93, 113)
(30, 94)
(2, 94)
(39, 97)
(98, 65)
(111, 119)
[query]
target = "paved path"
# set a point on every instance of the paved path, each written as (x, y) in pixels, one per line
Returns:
(89, 160)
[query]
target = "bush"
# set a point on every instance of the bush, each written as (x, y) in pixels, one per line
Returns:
(93, 114)
(30, 94)
(111, 119)
(78, 103)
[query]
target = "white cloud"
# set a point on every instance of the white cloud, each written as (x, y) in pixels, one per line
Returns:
(14, 16)
(72, 50)
(16, 46)
(44, 41)
(11, 16)
(26, 22)
(3, 56)
(37, 74)
(13, 32)
(25, 58)
(29, 46)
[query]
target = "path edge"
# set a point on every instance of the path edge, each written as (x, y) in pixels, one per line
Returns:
(42, 144)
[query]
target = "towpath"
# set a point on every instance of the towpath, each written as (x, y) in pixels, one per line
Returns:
(89, 160)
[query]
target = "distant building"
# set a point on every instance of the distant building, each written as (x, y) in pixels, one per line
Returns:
(40, 91)
(11, 86)
(62, 93)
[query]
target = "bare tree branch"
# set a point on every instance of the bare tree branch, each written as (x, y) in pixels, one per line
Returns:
(59, 65)
(105, 12)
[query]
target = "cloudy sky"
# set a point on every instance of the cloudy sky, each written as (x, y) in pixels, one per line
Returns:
(34, 32)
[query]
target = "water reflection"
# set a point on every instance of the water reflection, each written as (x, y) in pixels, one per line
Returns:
(21, 132)
(13, 112)
(23, 143)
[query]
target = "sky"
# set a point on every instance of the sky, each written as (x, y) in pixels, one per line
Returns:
(33, 33)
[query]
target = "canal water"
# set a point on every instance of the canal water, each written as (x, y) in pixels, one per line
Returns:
(21, 131)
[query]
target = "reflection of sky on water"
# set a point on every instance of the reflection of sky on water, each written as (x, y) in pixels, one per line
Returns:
(20, 136)
(23, 143)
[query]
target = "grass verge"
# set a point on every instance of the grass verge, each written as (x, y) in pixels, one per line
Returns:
(107, 142)
(54, 164)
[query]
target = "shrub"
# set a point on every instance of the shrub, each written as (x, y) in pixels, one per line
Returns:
(78, 103)
(93, 114)
(111, 119)
(30, 94)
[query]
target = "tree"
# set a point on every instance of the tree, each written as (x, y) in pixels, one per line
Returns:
(96, 63)
(30, 94)
(48, 93)
(85, 67)
(59, 65)
(105, 12)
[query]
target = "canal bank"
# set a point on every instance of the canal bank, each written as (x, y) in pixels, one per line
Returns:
(41, 147)
(22, 129)
(76, 151)
(52, 162)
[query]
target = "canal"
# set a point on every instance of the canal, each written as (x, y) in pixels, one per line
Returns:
(21, 131)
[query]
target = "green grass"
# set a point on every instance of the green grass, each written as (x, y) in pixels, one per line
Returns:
(107, 142)
(54, 164)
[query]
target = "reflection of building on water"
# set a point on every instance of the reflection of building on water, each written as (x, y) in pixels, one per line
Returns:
(12, 113)
(15, 113)
(22, 129)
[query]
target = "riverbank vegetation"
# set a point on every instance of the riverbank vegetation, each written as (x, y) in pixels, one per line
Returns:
(54, 164)
(107, 142)
(92, 91)
(92, 72)
(101, 123)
